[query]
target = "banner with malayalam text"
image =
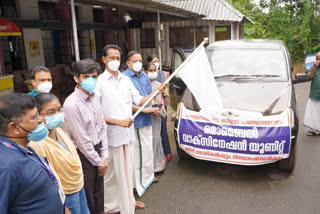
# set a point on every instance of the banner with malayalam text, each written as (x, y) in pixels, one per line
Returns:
(243, 140)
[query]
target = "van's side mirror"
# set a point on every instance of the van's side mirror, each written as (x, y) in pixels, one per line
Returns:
(301, 77)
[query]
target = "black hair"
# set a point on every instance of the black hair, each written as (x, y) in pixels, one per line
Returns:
(37, 70)
(131, 53)
(86, 66)
(151, 57)
(43, 99)
(13, 107)
(107, 47)
(148, 65)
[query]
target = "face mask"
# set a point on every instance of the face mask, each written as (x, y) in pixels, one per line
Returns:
(38, 134)
(153, 75)
(54, 121)
(137, 66)
(89, 84)
(114, 65)
(44, 87)
(157, 64)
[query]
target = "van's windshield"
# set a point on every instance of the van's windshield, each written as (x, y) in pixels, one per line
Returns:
(249, 64)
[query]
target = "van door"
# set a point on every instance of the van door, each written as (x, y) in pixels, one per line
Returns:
(179, 92)
(176, 85)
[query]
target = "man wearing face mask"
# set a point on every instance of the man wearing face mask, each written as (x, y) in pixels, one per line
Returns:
(117, 94)
(143, 151)
(41, 81)
(27, 183)
(85, 126)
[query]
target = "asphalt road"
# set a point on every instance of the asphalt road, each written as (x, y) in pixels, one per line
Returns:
(206, 187)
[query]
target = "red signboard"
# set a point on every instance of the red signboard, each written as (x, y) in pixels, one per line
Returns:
(9, 28)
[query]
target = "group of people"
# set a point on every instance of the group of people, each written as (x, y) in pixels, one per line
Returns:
(89, 155)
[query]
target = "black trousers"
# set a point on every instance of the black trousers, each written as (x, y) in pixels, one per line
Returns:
(93, 185)
(164, 137)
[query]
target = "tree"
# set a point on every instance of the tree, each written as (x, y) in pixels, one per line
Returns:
(296, 22)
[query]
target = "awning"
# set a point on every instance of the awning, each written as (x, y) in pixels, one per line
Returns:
(9, 28)
(145, 6)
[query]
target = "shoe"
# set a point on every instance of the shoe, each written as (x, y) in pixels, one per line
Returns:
(156, 180)
(312, 133)
(168, 157)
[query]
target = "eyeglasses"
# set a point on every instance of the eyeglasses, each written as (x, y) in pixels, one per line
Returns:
(51, 112)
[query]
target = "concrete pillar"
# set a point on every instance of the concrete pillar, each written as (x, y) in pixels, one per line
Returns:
(93, 44)
(33, 35)
(212, 32)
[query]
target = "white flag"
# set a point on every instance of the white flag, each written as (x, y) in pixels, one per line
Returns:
(197, 74)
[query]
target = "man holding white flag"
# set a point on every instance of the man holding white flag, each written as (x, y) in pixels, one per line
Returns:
(197, 74)
(117, 94)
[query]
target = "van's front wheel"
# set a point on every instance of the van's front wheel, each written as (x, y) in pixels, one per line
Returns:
(289, 163)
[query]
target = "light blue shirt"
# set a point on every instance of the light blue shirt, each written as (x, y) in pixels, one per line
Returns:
(143, 85)
(33, 93)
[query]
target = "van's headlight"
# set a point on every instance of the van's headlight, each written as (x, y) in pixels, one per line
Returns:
(291, 118)
(179, 110)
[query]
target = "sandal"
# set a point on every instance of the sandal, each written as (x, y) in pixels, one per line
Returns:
(310, 133)
(140, 205)
(168, 157)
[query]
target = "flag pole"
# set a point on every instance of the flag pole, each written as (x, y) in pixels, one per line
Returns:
(205, 40)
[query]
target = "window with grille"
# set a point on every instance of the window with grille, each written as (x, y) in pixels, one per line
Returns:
(84, 44)
(222, 33)
(8, 8)
(13, 53)
(57, 47)
(98, 16)
(184, 37)
(47, 10)
(147, 38)
(66, 48)
(49, 48)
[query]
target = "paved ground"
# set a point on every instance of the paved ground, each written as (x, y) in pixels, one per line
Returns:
(206, 187)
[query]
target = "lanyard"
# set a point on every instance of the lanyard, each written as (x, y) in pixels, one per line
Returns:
(43, 164)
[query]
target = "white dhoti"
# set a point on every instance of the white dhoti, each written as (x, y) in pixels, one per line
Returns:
(143, 159)
(312, 115)
(118, 194)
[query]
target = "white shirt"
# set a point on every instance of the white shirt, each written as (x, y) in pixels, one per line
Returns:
(116, 97)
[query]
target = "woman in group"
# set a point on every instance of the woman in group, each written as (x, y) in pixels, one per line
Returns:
(61, 154)
(164, 135)
(157, 102)
(312, 114)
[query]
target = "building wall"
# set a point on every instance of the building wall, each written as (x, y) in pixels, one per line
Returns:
(27, 9)
(165, 40)
(33, 34)
(85, 13)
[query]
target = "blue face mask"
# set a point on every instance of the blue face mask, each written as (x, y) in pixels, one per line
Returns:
(54, 121)
(40, 133)
(89, 84)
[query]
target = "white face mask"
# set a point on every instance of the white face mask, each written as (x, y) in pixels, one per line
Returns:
(157, 64)
(137, 66)
(44, 87)
(114, 65)
(153, 75)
